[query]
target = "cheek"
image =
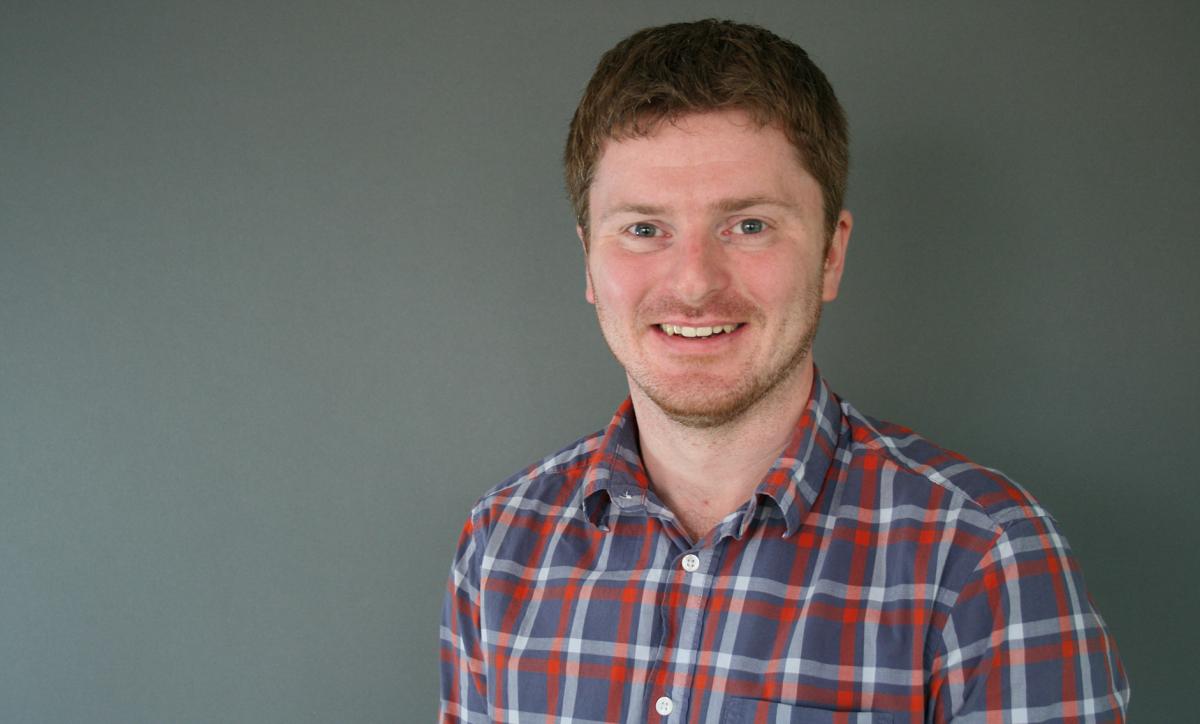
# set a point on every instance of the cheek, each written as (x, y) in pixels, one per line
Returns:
(783, 286)
(618, 286)
(769, 281)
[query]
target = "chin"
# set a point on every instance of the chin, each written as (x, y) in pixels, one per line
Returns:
(701, 409)
(708, 401)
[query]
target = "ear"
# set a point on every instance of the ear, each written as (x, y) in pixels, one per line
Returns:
(835, 257)
(588, 293)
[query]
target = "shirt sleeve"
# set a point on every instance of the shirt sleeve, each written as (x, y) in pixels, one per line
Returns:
(463, 670)
(1022, 641)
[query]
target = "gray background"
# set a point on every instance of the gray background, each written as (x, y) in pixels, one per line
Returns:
(285, 286)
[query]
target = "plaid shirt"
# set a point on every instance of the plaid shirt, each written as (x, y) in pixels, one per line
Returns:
(872, 577)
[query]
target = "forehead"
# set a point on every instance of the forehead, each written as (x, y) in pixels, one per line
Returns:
(700, 155)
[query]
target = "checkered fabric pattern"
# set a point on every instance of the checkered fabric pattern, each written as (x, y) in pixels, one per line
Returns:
(873, 577)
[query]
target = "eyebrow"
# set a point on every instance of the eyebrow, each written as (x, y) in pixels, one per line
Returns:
(639, 209)
(723, 206)
(728, 206)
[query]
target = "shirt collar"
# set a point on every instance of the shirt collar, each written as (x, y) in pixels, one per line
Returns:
(615, 476)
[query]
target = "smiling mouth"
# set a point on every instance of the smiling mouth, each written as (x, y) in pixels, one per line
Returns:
(684, 331)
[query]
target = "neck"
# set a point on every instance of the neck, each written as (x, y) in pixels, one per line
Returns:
(704, 474)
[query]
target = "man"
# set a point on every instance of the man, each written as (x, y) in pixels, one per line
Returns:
(739, 545)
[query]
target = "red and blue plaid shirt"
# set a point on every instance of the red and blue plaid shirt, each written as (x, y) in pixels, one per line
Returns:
(872, 577)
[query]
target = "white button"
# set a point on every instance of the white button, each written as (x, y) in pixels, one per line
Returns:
(664, 706)
(691, 562)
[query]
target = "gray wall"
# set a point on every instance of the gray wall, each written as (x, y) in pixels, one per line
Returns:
(285, 286)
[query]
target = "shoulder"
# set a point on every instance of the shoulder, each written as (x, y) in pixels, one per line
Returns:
(929, 470)
(1012, 626)
(547, 487)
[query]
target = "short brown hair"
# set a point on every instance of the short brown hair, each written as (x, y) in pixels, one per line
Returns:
(663, 73)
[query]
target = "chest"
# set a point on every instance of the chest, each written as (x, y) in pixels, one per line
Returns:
(615, 622)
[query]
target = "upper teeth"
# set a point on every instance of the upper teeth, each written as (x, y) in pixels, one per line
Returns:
(696, 331)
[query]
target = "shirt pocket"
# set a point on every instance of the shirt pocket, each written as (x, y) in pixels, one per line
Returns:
(751, 711)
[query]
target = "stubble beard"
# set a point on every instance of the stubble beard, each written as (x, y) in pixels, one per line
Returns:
(698, 407)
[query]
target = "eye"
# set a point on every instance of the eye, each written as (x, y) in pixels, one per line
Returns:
(644, 230)
(750, 226)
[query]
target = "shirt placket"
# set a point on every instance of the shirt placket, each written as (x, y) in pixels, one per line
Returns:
(683, 615)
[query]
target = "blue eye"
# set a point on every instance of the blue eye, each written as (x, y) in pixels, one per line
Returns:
(644, 230)
(750, 226)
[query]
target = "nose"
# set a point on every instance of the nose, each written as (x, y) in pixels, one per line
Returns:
(701, 267)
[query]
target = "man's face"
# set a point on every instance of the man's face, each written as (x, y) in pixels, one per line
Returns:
(707, 263)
